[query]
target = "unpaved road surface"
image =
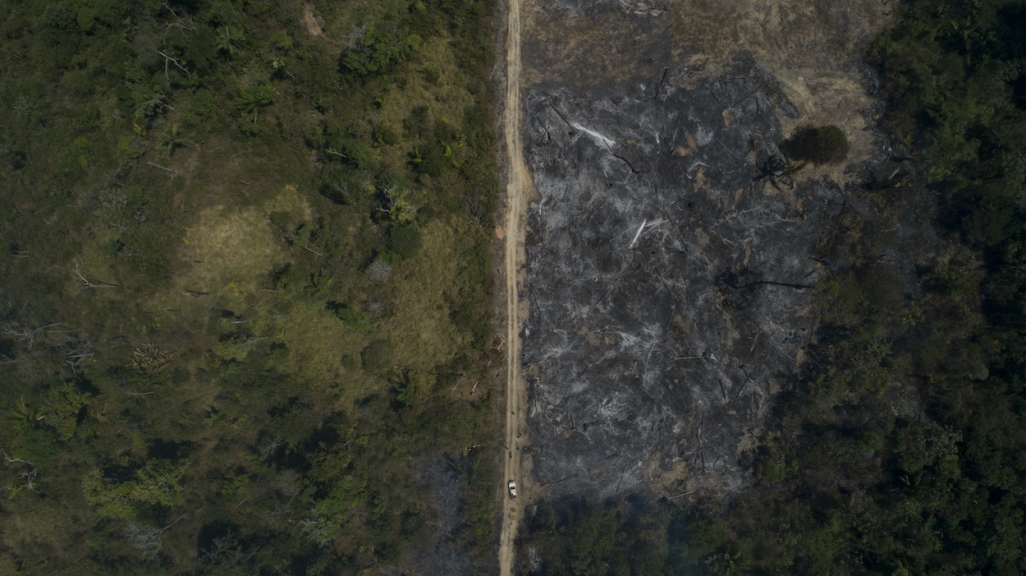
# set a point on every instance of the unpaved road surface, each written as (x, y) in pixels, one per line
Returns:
(516, 194)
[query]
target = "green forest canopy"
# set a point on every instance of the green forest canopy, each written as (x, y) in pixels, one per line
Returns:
(246, 296)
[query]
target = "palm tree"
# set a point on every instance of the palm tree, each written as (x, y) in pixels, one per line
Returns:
(253, 99)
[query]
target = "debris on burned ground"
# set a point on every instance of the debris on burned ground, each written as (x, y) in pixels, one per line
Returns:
(666, 281)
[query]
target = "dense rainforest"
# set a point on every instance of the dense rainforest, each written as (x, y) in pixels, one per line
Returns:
(245, 309)
(901, 448)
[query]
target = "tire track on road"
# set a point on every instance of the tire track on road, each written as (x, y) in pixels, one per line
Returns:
(516, 196)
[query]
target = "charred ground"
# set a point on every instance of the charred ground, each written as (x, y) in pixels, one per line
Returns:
(669, 278)
(669, 271)
(672, 268)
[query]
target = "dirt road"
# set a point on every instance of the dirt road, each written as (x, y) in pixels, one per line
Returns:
(516, 195)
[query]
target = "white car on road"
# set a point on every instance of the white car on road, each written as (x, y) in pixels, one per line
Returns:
(512, 489)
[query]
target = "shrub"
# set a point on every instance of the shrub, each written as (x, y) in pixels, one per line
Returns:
(384, 136)
(404, 241)
(347, 315)
(823, 145)
(377, 356)
(377, 51)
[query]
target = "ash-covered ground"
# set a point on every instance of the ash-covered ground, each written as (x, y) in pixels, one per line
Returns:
(667, 276)
(447, 553)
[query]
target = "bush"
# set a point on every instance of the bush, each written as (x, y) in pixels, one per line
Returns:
(377, 356)
(404, 241)
(383, 136)
(377, 51)
(823, 145)
(347, 315)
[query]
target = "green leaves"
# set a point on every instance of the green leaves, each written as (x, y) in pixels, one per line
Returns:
(158, 483)
(376, 49)
(227, 39)
(64, 405)
(119, 152)
(250, 101)
(235, 347)
(53, 22)
(281, 40)
(820, 145)
(85, 18)
(201, 48)
(399, 208)
(918, 445)
(253, 99)
(404, 241)
(22, 418)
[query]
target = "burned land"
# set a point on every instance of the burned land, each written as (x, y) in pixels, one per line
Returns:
(672, 247)
(667, 278)
(774, 272)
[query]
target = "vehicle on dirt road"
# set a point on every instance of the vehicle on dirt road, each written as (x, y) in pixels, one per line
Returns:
(512, 489)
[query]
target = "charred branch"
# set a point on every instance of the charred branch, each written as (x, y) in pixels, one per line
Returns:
(625, 161)
(570, 129)
(660, 86)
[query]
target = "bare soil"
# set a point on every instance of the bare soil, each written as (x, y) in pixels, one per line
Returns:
(516, 199)
(310, 21)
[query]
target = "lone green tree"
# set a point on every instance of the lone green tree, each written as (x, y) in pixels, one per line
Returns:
(822, 145)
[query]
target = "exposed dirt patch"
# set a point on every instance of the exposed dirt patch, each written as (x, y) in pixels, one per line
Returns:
(229, 246)
(236, 245)
(310, 21)
(598, 44)
(786, 33)
(517, 190)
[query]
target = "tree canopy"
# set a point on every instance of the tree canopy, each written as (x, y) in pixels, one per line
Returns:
(240, 326)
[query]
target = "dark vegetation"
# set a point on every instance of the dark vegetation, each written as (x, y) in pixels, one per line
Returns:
(633, 537)
(245, 295)
(820, 145)
(899, 450)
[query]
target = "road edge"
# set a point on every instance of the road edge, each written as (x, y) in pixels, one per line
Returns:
(516, 194)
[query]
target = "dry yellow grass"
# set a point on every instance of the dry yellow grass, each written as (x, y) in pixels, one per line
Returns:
(421, 333)
(229, 246)
(318, 341)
